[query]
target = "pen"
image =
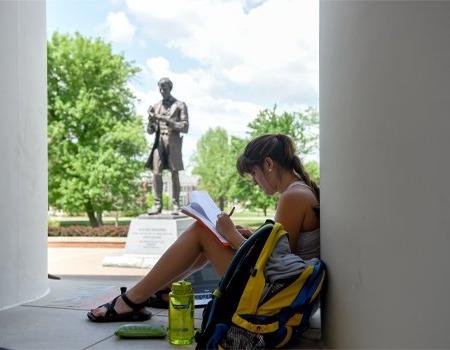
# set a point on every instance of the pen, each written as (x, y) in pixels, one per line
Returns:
(232, 211)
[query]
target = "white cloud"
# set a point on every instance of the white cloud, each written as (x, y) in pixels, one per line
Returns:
(194, 87)
(118, 28)
(271, 50)
(248, 5)
(142, 44)
(158, 66)
(205, 111)
(244, 56)
(115, 3)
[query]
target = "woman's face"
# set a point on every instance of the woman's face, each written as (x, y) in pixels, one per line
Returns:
(263, 177)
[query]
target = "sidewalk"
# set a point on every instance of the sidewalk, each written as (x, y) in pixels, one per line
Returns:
(58, 320)
(81, 261)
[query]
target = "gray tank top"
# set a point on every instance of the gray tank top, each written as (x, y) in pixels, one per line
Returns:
(308, 243)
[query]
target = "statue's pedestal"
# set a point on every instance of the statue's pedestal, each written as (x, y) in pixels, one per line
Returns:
(148, 238)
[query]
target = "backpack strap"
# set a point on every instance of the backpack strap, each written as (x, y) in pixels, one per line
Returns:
(252, 293)
(249, 300)
(211, 312)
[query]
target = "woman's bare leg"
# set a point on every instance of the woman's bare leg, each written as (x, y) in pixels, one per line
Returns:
(180, 256)
(176, 261)
(198, 264)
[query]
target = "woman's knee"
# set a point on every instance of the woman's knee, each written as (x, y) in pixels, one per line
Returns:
(193, 230)
(198, 233)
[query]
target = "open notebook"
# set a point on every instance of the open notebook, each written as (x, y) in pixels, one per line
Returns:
(204, 282)
(202, 208)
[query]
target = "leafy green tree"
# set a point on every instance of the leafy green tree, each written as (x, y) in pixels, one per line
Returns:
(214, 164)
(303, 127)
(95, 139)
(313, 169)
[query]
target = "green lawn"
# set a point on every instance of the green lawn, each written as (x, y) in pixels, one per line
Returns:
(85, 222)
(245, 218)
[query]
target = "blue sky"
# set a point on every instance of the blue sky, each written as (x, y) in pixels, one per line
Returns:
(227, 59)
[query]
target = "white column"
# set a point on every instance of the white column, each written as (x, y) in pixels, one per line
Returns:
(23, 144)
(385, 143)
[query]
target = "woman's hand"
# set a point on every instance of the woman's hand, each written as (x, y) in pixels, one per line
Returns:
(244, 231)
(227, 229)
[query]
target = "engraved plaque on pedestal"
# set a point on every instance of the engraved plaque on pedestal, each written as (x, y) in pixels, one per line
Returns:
(148, 238)
(152, 235)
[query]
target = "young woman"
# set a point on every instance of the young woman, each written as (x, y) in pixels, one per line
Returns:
(273, 165)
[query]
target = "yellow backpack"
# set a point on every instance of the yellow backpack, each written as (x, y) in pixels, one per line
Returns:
(242, 313)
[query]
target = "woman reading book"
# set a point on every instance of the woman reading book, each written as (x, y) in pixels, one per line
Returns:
(271, 162)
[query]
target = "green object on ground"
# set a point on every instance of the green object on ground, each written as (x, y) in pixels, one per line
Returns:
(141, 331)
(181, 313)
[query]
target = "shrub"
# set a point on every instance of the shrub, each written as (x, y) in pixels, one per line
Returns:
(150, 200)
(133, 212)
(167, 201)
(52, 222)
(86, 231)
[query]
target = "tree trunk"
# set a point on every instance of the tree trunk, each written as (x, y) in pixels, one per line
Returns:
(265, 211)
(116, 222)
(221, 203)
(92, 219)
(100, 218)
(91, 215)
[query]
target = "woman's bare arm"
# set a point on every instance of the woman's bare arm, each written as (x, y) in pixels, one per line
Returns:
(291, 212)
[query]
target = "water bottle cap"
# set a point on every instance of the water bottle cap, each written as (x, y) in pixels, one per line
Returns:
(182, 287)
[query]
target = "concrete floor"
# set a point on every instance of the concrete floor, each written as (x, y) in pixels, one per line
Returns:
(58, 320)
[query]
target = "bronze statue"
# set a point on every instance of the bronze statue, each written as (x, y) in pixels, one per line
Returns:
(167, 118)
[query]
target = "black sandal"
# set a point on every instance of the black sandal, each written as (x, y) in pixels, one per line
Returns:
(157, 300)
(111, 315)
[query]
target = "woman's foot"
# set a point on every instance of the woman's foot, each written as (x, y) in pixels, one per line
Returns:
(160, 300)
(121, 308)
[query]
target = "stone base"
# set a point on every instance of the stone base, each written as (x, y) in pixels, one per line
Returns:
(149, 236)
(131, 260)
(162, 216)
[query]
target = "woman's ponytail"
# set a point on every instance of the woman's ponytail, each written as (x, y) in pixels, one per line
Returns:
(303, 174)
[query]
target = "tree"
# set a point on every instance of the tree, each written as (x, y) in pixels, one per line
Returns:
(303, 127)
(214, 164)
(312, 167)
(95, 139)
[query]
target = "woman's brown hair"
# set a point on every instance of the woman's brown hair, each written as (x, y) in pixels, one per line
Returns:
(281, 149)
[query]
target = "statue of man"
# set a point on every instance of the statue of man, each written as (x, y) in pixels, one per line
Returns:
(167, 118)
